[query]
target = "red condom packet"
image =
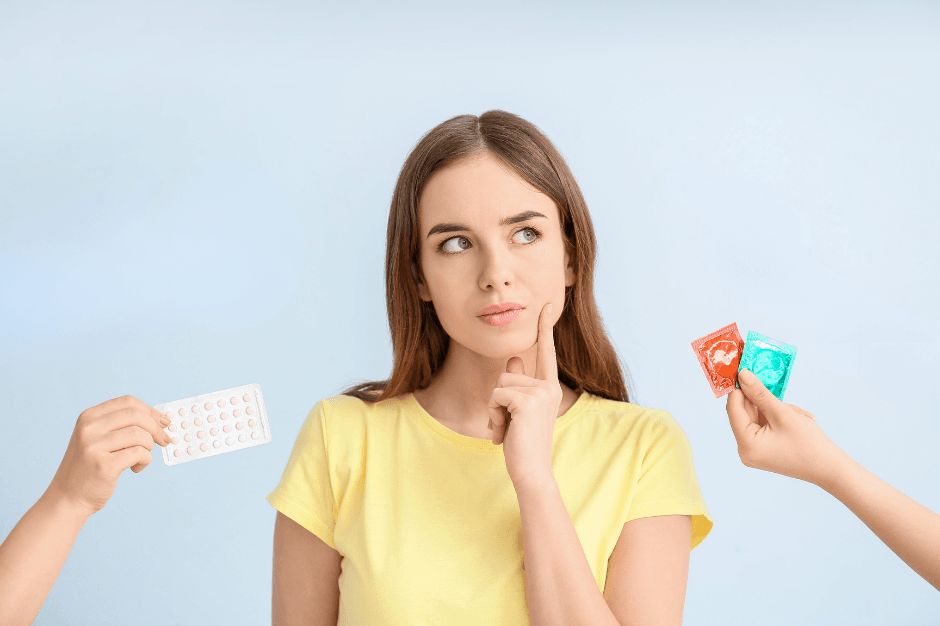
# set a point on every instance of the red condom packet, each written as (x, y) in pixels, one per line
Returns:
(719, 354)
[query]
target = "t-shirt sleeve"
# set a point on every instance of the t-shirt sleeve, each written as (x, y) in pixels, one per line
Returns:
(304, 493)
(667, 484)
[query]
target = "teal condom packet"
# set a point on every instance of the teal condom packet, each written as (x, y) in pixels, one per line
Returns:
(770, 360)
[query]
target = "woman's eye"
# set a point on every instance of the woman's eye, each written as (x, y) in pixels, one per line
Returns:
(443, 246)
(535, 234)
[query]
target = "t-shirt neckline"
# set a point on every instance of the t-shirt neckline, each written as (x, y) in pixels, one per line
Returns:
(486, 445)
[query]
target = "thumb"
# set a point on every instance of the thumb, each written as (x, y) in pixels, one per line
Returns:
(758, 394)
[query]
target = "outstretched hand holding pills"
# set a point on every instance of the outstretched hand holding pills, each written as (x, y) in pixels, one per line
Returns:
(108, 438)
(779, 437)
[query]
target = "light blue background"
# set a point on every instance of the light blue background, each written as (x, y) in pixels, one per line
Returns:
(194, 195)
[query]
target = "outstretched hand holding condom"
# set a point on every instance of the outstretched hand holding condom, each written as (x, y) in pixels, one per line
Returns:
(779, 437)
(785, 439)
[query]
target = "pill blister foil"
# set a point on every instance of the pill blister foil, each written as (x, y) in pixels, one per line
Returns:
(204, 420)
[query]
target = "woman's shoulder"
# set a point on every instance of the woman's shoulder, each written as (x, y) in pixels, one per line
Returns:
(361, 403)
(625, 409)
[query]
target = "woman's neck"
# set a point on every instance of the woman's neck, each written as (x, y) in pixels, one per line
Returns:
(459, 394)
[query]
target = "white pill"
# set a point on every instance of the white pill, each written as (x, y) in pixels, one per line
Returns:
(203, 447)
(201, 435)
(188, 437)
(211, 418)
(189, 450)
(227, 428)
(221, 403)
(246, 398)
(195, 409)
(208, 406)
(175, 440)
(198, 421)
(252, 422)
(171, 428)
(234, 400)
(184, 425)
(249, 411)
(223, 416)
(239, 425)
(236, 412)
(182, 412)
(214, 431)
(176, 453)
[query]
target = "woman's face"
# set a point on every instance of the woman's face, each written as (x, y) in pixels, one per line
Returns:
(471, 261)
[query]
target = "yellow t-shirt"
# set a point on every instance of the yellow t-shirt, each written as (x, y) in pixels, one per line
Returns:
(427, 519)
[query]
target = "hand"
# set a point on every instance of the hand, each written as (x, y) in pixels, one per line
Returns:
(107, 439)
(778, 437)
(532, 405)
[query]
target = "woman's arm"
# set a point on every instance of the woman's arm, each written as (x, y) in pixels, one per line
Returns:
(648, 572)
(910, 529)
(107, 439)
(646, 579)
(305, 582)
(785, 439)
(32, 556)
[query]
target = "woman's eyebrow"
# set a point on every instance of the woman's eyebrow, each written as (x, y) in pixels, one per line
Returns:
(521, 217)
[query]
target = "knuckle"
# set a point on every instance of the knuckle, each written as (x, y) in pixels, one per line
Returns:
(83, 433)
(146, 439)
(100, 463)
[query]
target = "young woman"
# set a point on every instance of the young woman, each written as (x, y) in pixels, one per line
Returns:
(500, 475)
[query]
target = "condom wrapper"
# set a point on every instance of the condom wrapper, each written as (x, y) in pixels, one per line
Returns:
(768, 359)
(719, 353)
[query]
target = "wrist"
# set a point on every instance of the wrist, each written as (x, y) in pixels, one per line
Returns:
(58, 504)
(538, 484)
(836, 471)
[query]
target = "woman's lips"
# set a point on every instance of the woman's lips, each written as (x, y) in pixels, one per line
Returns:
(500, 319)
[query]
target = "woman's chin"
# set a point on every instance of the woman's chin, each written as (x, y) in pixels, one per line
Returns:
(502, 348)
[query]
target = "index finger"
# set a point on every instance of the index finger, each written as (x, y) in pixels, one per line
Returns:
(129, 401)
(134, 406)
(546, 364)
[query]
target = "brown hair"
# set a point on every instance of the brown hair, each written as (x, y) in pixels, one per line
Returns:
(586, 357)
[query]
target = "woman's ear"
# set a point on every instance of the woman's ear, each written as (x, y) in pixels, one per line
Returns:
(422, 288)
(570, 275)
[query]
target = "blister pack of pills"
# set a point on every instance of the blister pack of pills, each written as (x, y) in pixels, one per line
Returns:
(215, 423)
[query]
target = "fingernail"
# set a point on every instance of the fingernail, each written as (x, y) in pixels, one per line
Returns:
(746, 375)
(165, 421)
(490, 425)
(166, 438)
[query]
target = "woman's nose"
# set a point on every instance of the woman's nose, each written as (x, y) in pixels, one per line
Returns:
(496, 270)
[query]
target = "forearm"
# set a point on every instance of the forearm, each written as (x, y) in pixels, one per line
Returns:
(32, 556)
(560, 588)
(910, 529)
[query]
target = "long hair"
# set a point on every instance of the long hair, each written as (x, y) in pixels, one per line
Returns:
(586, 357)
